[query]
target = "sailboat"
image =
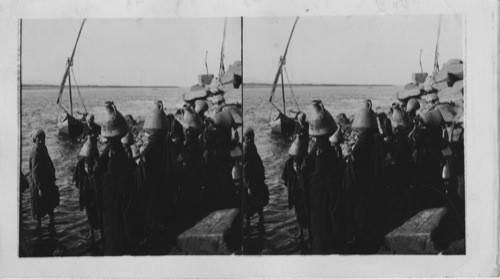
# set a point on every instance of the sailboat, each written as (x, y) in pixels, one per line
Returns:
(68, 125)
(209, 86)
(282, 124)
(233, 76)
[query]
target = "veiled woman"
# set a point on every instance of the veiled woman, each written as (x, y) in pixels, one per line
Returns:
(298, 186)
(324, 170)
(85, 181)
(154, 188)
(115, 172)
(221, 191)
(192, 167)
(363, 182)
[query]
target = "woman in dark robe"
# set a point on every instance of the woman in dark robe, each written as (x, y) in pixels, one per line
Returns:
(115, 172)
(221, 191)
(43, 189)
(399, 163)
(85, 181)
(298, 187)
(257, 194)
(427, 141)
(192, 167)
(324, 171)
(363, 184)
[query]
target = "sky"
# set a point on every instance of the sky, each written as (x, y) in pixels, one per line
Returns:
(340, 49)
(127, 51)
(349, 50)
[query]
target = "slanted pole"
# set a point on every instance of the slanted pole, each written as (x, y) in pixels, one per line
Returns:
(283, 92)
(70, 95)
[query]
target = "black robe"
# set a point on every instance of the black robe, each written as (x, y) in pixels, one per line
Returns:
(255, 177)
(154, 186)
(43, 179)
(426, 146)
(399, 167)
(221, 191)
(298, 192)
(365, 190)
(324, 170)
(86, 183)
(192, 177)
(115, 173)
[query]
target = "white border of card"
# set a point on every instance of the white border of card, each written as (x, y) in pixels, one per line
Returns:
(481, 140)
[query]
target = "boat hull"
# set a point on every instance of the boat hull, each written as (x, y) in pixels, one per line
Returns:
(70, 127)
(283, 125)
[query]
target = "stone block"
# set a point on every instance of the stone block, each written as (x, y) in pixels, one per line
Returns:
(216, 234)
(414, 236)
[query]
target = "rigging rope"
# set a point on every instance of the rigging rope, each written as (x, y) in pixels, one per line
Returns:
(78, 89)
(291, 90)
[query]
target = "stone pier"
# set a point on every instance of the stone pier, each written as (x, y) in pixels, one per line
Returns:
(217, 234)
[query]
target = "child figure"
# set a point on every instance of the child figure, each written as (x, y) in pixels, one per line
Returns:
(254, 178)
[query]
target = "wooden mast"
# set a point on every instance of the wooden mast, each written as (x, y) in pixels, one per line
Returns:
(222, 70)
(66, 73)
(436, 52)
(70, 94)
(280, 68)
(283, 88)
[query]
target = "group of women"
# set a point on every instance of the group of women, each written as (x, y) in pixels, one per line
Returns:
(359, 175)
(175, 169)
(179, 167)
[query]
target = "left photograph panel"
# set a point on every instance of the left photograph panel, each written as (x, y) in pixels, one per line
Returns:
(130, 137)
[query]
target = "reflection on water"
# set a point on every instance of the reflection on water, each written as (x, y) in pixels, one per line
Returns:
(280, 232)
(69, 236)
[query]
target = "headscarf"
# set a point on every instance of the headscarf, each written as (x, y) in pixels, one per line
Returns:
(36, 133)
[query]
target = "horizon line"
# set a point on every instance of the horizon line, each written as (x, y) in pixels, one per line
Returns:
(177, 86)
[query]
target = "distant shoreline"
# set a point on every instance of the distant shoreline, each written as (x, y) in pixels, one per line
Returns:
(246, 85)
(260, 85)
(45, 86)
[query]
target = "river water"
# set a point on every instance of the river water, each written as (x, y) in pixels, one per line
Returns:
(39, 110)
(280, 234)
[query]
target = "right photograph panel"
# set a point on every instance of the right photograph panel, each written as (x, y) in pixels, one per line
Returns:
(353, 135)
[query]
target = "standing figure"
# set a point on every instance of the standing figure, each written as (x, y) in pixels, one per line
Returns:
(116, 180)
(363, 183)
(154, 187)
(254, 178)
(399, 162)
(192, 166)
(221, 191)
(92, 129)
(427, 141)
(324, 171)
(85, 181)
(43, 188)
(298, 186)
(302, 127)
